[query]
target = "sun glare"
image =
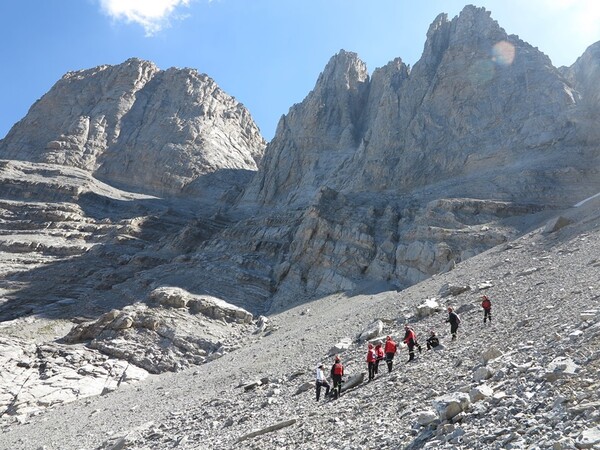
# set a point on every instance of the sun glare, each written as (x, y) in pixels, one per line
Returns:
(503, 53)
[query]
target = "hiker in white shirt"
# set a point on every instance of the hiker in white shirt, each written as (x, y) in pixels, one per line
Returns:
(321, 382)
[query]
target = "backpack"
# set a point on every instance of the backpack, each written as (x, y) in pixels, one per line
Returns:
(338, 369)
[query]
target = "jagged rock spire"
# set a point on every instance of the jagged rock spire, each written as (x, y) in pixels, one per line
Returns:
(316, 136)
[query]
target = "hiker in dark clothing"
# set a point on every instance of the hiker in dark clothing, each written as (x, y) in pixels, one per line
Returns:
(410, 339)
(321, 382)
(390, 352)
(486, 304)
(454, 321)
(337, 372)
(432, 340)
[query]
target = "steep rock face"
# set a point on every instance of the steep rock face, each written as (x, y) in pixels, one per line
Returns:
(133, 125)
(477, 99)
(584, 75)
(79, 117)
(483, 123)
(316, 136)
(181, 127)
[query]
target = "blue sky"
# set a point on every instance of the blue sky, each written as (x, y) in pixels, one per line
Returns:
(266, 53)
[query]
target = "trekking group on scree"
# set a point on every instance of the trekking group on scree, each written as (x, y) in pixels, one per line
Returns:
(386, 352)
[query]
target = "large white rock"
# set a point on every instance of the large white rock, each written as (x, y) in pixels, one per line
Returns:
(560, 367)
(371, 331)
(343, 345)
(449, 405)
(426, 417)
(480, 392)
(428, 308)
(589, 438)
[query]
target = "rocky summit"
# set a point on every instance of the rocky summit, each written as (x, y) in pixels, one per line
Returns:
(170, 280)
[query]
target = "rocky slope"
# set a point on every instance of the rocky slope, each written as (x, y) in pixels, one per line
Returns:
(528, 381)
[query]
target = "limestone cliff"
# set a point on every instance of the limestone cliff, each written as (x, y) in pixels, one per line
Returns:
(371, 180)
(315, 137)
(478, 103)
(402, 175)
(141, 128)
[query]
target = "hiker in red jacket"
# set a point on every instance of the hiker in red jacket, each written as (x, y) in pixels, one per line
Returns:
(379, 355)
(486, 304)
(390, 352)
(410, 339)
(337, 372)
(371, 358)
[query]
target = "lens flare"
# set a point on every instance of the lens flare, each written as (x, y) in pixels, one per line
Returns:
(503, 53)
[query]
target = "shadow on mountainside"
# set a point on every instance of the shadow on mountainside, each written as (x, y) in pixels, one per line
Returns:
(66, 258)
(118, 250)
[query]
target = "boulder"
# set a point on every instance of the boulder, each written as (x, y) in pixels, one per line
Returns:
(482, 373)
(426, 417)
(480, 392)
(211, 307)
(489, 354)
(170, 296)
(589, 438)
(343, 345)
(449, 405)
(559, 368)
(353, 381)
(215, 308)
(122, 322)
(428, 308)
(304, 387)
(574, 335)
(371, 331)
(565, 443)
(556, 224)
(451, 289)
(274, 427)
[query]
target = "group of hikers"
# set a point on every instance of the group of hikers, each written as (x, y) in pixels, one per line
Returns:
(379, 352)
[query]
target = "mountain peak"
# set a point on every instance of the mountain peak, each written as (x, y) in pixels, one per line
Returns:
(344, 69)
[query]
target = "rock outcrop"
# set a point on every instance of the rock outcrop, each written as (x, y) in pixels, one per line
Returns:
(176, 329)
